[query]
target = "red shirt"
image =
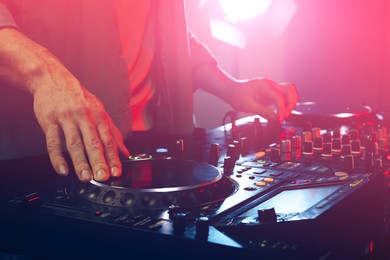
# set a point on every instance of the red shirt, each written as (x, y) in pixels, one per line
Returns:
(137, 41)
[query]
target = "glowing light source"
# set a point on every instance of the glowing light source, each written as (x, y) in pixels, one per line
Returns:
(228, 33)
(240, 10)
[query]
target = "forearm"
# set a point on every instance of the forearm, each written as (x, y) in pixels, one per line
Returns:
(256, 95)
(214, 80)
(21, 60)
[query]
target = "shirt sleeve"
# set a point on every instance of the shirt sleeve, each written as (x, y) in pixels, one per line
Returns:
(6, 19)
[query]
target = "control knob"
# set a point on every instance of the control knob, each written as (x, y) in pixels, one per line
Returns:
(267, 215)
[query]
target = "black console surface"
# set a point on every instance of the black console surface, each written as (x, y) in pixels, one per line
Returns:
(247, 189)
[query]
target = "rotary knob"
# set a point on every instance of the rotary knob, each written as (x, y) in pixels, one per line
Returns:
(327, 151)
(275, 155)
(228, 165)
(308, 149)
(214, 154)
(336, 146)
(179, 222)
(202, 226)
(346, 139)
(318, 145)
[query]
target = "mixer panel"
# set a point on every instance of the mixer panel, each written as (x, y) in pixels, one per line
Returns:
(280, 191)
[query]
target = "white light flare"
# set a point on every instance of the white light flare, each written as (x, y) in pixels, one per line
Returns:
(241, 10)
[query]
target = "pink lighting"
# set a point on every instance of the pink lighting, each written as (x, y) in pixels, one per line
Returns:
(240, 10)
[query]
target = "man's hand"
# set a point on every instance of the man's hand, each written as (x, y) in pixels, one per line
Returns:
(260, 96)
(92, 139)
(63, 108)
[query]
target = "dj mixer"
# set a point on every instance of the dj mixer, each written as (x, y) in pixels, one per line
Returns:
(313, 187)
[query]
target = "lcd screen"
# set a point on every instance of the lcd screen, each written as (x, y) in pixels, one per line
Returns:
(293, 201)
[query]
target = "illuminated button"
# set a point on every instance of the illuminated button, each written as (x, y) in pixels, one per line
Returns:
(355, 183)
(161, 150)
(140, 157)
(341, 174)
(98, 213)
(259, 155)
(269, 179)
(31, 197)
(260, 183)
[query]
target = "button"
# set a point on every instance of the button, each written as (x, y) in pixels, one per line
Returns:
(31, 197)
(260, 155)
(98, 213)
(260, 183)
(355, 183)
(269, 179)
(275, 174)
(261, 172)
(340, 174)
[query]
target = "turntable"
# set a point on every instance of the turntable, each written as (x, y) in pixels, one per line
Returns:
(148, 183)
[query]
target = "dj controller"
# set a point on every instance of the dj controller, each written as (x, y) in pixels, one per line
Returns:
(314, 187)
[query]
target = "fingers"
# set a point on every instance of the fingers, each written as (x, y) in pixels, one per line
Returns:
(118, 138)
(261, 110)
(280, 106)
(110, 150)
(93, 149)
(100, 151)
(53, 142)
(290, 96)
(75, 147)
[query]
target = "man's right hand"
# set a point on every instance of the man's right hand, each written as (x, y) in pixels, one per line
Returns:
(64, 109)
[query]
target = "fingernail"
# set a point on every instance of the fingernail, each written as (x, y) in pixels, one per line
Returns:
(63, 170)
(85, 175)
(101, 175)
(115, 171)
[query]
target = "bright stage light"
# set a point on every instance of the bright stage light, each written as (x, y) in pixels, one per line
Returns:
(240, 10)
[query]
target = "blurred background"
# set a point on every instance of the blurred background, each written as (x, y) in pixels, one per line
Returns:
(337, 52)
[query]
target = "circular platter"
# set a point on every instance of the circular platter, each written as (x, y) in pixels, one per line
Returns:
(148, 183)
